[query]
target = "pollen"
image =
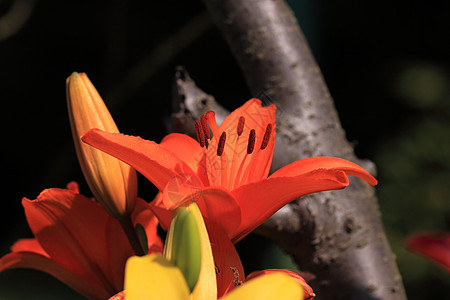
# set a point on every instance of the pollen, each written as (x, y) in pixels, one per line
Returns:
(221, 145)
(240, 127)
(251, 141)
(266, 137)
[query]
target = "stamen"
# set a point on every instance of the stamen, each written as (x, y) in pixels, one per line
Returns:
(200, 133)
(266, 138)
(204, 124)
(221, 145)
(240, 127)
(210, 118)
(251, 141)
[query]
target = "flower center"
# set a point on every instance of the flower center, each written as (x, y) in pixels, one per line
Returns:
(221, 170)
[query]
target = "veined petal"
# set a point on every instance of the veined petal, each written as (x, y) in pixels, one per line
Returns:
(154, 277)
(149, 158)
(259, 200)
(113, 183)
(432, 245)
(91, 288)
(215, 203)
(256, 165)
(79, 236)
(229, 269)
(308, 293)
(220, 207)
(270, 286)
(185, 148)
(28, 245)
(323, 162)
(163, 214)
(144, 216)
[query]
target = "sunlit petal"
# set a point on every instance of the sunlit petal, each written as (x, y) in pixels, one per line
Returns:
(268, 287)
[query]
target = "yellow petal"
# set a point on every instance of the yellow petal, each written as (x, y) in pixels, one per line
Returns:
(268, 287)
(113, 183)
(153, 277)
(206, 287)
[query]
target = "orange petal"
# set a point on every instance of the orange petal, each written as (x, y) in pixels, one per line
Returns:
(259, 200)
(328, 163)
(229, 270)
(144, 216)
(184, 147)
(307, 290)
(432, 245)
(220, 208)
(80, 236)
(90, 288)
(149, 158)
(118, 296)
(163, 214)
(28, 245)
(257, 118)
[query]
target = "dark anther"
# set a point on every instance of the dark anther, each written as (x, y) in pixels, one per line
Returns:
(200, 134)
(240, 127)
(266, 138)
(221, 145)
(205, 126)
(251, 141)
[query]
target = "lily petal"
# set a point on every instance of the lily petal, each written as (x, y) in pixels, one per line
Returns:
(75, 231)
(432, 245)
(307, 290)
(154, 277)
(258, 163)
(190, 152)
(142, 215)
(259, 200)
(229, 269)
(149, 158)
(270, 286)
(215, 203)
(324, 162)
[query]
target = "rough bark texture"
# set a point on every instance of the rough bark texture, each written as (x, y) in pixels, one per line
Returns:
(336, 235)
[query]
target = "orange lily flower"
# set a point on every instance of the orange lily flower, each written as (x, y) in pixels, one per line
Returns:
(434, 246)
(226, 173)
(78, 242)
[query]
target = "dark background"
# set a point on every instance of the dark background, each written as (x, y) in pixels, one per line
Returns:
(386, 64)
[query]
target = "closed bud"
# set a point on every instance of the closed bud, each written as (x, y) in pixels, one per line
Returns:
(188, 247)
(112, 182)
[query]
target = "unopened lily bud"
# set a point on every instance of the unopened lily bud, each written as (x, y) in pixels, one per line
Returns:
(184, 247)
(112, 182)
(188, 247)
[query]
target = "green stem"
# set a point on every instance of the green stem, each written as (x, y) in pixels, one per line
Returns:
(128, 228)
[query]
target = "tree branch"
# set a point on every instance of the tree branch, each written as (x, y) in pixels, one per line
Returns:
(336, 235)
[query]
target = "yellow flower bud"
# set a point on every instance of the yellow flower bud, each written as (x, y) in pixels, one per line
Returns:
(112, 182)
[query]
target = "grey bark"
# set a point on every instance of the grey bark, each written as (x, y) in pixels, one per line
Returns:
(337, 235)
